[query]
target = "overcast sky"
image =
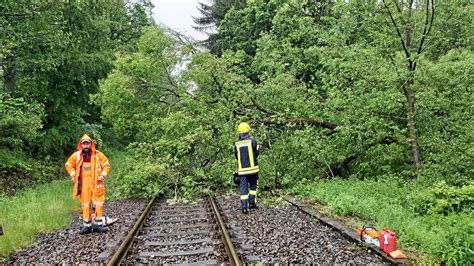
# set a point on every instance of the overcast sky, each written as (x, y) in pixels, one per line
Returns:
(177, 14)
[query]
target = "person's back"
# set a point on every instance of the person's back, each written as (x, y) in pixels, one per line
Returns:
(246, 152)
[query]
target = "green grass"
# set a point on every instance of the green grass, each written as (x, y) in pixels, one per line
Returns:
(43, 209)
(441, 238)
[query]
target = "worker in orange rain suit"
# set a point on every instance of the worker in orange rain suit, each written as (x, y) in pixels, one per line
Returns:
(88, 169)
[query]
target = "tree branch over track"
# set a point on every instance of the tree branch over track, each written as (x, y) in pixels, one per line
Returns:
(291, 119)
(337, 168)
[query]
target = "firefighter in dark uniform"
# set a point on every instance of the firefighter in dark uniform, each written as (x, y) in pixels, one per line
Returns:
(246, 153)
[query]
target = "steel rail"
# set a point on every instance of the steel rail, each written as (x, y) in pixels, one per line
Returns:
(228, 245)
(127, 242)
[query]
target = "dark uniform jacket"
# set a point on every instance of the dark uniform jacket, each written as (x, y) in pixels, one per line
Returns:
(246, 153)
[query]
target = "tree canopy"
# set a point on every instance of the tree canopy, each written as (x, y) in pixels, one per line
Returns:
(52, 56)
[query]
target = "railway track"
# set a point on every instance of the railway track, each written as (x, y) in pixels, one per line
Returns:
(178, 233)
(196, 234)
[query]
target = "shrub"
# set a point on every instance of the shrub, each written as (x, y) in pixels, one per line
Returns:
(443, 199)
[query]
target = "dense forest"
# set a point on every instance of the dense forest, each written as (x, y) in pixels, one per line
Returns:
(53, 55)
(359, 105)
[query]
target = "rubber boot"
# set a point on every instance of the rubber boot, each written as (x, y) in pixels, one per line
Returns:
(85, 230)
(87, 227)
(253, 206)
(244, 205)
(99, 226)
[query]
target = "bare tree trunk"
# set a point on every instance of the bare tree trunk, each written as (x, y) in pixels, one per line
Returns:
(406, 42)
(411, 123)
(410, 96)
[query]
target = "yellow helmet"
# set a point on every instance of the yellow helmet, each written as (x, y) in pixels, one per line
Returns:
(243, 128)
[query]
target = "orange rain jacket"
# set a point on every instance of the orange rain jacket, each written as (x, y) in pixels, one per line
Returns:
(99, 162)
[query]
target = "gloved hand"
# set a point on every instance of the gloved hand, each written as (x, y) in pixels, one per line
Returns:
(236, 178)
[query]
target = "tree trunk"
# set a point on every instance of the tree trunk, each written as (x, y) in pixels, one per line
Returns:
(410, 96)
(411, 123)
(404, 32)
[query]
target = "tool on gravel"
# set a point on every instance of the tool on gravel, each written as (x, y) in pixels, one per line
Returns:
(369, 234)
